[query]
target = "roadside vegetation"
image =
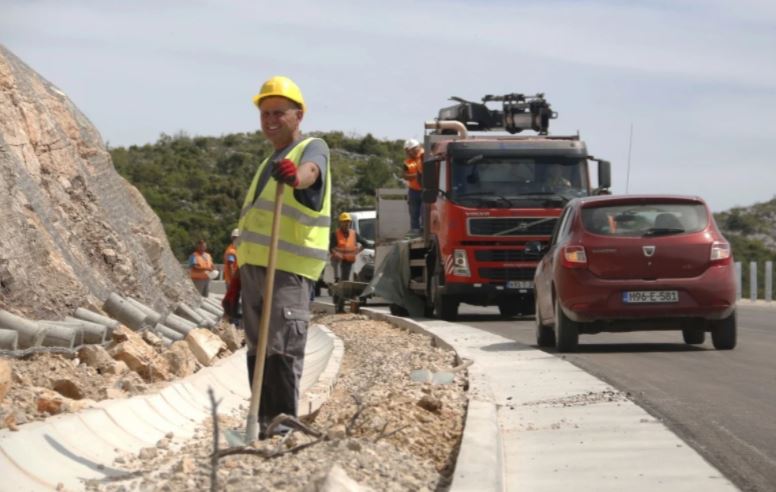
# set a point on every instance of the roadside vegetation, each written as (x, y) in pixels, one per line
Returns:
(196, 185)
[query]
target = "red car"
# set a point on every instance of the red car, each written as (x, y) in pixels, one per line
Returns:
(635, 263)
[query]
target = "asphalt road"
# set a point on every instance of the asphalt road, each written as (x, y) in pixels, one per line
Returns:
(723, 403)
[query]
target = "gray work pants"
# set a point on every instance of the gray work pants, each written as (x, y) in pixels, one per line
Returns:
(289, 316)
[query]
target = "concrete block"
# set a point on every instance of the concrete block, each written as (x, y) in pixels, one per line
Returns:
(205, 345)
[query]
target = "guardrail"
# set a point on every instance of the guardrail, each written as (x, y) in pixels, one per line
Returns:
(750, 278)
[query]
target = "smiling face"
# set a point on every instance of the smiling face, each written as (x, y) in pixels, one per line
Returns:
(280, 119)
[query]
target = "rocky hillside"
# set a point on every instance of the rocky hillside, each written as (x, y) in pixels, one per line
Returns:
(73, 229)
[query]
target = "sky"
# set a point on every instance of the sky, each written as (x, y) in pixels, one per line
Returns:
(693, 81)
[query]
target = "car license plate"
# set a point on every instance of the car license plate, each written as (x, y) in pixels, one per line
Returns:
(519, 284)
(650, 296)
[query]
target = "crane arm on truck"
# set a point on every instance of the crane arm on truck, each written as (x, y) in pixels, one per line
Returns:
(518, 112)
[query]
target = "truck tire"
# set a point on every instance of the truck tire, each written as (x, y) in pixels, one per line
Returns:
(724, 332)
(566, 331)
(397, 310)
(445, 307)
(545, 335)
(693, 336)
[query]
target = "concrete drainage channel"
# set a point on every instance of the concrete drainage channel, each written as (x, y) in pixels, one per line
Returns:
(70, 448)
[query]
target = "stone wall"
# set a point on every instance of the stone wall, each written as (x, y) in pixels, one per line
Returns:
(72, 230)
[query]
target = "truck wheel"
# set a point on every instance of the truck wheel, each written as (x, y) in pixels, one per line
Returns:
(445, 307)
(545, 335)
(693, 336)
(724, 332)
(566, 331)
(397, 310)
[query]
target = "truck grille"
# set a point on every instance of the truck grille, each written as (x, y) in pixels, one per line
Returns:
(507, 273)
(517, 226)
(503, 255)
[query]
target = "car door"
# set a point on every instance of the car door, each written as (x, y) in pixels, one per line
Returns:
(544, 271)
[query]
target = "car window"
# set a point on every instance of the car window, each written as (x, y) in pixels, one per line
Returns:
(645, 219)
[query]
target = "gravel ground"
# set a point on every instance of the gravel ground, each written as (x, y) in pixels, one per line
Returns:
(386, 431)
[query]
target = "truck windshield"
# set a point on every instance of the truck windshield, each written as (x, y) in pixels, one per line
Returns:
(503, 181)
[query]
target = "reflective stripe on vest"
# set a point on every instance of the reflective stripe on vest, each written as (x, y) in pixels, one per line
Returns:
(346, 246)
(304, 233)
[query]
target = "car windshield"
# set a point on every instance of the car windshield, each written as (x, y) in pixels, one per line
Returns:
(366, 229)
(503, 181)
(650, 219)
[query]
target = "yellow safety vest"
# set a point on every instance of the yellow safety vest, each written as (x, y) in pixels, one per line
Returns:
(303, 245)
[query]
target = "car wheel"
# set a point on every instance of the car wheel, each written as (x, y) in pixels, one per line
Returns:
(545, 336)
(693, 336)
(397, 310)
(445, 307)
(566, 331)
(724, 332)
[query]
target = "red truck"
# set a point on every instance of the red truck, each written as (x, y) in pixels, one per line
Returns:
(487, 193)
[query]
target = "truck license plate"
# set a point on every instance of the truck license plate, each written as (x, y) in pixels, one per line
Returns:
(519, 284)
(650, 296)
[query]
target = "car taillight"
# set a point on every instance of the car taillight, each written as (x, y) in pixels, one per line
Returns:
(574, 257)
(720, 253)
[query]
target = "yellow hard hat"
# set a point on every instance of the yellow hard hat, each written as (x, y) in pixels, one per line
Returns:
(345, 217)
(280, 86)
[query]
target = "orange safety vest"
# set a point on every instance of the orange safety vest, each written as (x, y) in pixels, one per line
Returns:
(229, 270)
(346, 246)
(413, 168)
(203, 264)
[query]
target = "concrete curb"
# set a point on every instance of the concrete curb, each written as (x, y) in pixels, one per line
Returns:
(70, 448)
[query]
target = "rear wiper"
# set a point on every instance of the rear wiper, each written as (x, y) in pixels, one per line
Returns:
(662, 231)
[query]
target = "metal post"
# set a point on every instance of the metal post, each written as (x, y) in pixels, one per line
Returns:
(768, 281)
(753, 281)
(738, 280)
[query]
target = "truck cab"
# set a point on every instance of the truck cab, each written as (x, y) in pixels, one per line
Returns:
(486, 196)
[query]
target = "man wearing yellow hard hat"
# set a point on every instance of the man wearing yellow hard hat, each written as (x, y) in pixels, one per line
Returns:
(303, 165)
(344, 245)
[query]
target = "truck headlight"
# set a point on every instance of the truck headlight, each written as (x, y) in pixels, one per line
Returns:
(460, 263)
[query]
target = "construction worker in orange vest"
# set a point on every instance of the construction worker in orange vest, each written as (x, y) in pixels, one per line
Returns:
(200, 266)
(413, 171)
(344, 245)
(230, 258)
(230, 271)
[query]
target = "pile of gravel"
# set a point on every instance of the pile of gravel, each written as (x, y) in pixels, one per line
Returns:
(379, 427)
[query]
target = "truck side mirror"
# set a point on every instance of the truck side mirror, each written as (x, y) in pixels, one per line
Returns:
(430, 178)
(604, 174)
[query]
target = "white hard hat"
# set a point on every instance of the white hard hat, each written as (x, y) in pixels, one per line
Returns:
(236, 233)
(411, 144)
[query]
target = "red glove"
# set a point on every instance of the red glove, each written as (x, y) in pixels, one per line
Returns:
(231, 300)
(285, 172)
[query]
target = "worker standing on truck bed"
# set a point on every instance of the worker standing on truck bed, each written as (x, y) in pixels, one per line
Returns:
(303, 165)
(344, 244)
(413, 171)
